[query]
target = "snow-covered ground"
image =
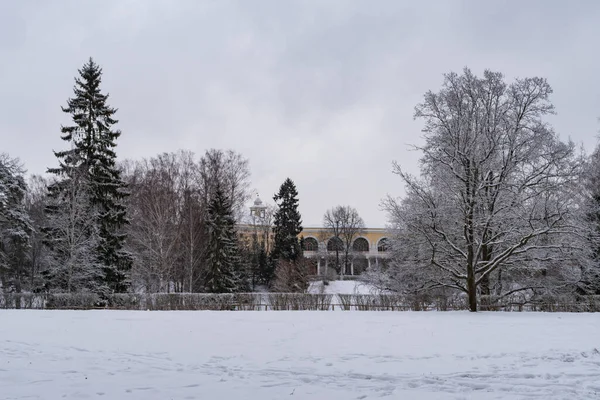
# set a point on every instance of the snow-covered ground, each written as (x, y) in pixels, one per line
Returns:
(298, 355)
(341, 287)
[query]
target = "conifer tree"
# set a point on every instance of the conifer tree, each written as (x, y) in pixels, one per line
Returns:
(590, 281)
(263, 266)
(287, 225)
(92, 160)
(224, 273)
(15, 225)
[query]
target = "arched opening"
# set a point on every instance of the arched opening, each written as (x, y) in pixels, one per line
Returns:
(383, 245)
(312, 266)
(360, 265)
(335, 243)
(360, 245)
(310, 244)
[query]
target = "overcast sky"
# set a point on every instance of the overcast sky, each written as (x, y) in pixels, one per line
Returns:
(319, 91)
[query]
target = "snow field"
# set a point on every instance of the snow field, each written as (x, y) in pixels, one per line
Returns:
(298, 355)
(341, 287)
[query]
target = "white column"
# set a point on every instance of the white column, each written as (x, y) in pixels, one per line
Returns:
(352, 267)
(318, 265)
(368, 262)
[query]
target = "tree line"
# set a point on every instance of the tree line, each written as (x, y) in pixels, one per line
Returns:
(163, 224)
(501, 207)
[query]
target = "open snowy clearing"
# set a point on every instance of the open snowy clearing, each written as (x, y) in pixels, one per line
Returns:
(341, 287)
(298, 355)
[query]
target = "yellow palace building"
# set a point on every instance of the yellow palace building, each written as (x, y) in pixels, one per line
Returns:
(369, 247)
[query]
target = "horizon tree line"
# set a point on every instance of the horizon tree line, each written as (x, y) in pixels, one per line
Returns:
(502, 207)
(164, 224)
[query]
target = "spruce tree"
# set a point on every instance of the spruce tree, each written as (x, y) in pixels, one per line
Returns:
(92, 159)
(15, 225)
(590, 277)
(224, 273)
(264, 270)
(287, 225)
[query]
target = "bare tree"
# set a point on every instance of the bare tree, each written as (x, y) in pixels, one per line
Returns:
(154, 229)
(342, 225)
(498, 206)
(169, 211)
(35, 203)
(292, 276)
(232, 171)
(73, 265)
(191, 223)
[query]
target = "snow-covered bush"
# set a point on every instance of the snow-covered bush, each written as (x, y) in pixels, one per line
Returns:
(299, 301)
(21, 300)
(73, 301)
(202, 301)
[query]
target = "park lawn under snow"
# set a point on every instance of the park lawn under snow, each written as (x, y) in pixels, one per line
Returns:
(298, 355)
(341, 287)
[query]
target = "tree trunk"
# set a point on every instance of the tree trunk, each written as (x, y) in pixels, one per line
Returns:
(18, 287)
(471, 281)
(485, 285)
(32, 277)
(499, 283)
(469, 236)
(486, 255)
(472, 289)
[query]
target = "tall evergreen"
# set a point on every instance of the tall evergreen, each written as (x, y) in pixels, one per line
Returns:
(287, 224)
(224, 273)
(263, 266)
(15, 225)
(92, 159)
(590, 279)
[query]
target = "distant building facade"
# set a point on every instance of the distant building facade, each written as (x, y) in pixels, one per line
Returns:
(369, 248)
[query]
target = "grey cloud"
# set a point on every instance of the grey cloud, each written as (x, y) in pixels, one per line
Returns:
(321, 91)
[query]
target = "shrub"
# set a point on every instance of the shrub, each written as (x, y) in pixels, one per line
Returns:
(346, 301)
(73, 301)
(292, 276)
(21, 301)
(299, 301)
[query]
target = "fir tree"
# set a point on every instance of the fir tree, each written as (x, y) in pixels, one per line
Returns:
(224, 273)
(263, 266)
(590, 279)
(15, 225)
(287, 225)
(92, 159)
